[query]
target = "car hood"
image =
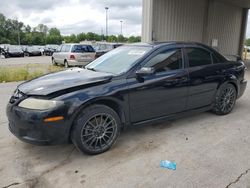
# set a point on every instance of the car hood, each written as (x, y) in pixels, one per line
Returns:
(55, 82)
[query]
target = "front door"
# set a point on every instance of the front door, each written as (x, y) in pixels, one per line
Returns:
(162, 93)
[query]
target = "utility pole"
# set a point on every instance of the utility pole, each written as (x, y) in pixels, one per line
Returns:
(101, 34)
(18, 31)
(121, 26)
(106, 8)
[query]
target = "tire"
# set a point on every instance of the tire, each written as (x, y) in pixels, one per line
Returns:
(66, 65)
(53, 62)
(225, 100)
(96, 129)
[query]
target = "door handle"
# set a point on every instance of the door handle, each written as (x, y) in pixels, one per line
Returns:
(220, 71)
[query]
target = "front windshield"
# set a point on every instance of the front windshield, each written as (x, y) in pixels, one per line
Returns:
(33, 48)
(16, 48)
(119, 60)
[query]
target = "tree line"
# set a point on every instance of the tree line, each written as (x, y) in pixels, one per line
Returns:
(247, 42)
(15, 32)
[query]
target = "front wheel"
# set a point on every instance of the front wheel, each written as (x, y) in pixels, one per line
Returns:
(53, 62)
(96, 129)
(225, 100)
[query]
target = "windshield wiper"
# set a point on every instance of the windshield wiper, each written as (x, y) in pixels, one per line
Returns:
(92, 69)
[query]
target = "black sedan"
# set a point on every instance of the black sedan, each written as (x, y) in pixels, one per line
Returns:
(131, 85)
(50, 49)
(13, 51)
(32, 51)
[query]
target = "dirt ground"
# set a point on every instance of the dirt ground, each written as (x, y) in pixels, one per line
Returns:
(210, 151)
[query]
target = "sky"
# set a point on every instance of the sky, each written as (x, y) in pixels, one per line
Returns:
(76, 16)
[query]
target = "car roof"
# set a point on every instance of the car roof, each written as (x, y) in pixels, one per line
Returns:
(77, 44)
(159, 44)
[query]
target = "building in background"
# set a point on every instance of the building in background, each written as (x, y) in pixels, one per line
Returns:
(218, 23)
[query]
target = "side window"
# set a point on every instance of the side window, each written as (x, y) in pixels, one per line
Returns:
(90, 49)
(215, 59)
(79, 49)
(63, 48)
(198, 57)
(168, 60)
(67, 48)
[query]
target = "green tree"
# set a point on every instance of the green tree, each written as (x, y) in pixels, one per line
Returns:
(81, 37)
(112, 38)
(247, 42)
(28, 29)
(121, 38)
(54, 31)
(42, 28)
(38, 38)
(133, 39)
(54, 36)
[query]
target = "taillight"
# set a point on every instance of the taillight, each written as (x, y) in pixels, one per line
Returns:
(72, 57)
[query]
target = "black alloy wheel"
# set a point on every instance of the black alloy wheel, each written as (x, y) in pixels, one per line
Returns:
(96, 129)
(225, 100)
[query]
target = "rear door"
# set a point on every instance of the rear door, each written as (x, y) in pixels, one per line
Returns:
(204, 77)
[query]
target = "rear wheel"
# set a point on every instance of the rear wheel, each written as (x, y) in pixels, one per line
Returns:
(66, 65)
(225, 100)
(96, 129)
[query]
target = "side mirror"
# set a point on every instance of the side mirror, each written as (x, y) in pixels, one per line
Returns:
(145, 71)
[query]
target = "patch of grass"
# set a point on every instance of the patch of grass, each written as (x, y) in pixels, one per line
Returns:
(27, 72)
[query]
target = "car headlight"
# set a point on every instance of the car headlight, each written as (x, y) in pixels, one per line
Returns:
(39, 104)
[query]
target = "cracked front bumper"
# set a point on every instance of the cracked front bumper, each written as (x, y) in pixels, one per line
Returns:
(29, 126)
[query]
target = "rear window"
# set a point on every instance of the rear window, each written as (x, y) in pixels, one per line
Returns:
(82, 49)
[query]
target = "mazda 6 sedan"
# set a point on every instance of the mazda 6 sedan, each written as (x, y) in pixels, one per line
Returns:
(131, 85)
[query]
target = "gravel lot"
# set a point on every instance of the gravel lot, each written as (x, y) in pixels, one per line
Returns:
(210, 151)
(25, 60)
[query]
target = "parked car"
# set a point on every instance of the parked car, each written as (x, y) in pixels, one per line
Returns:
(13, 51)
(104, 47)
(2, 52)
(41, 48)
(247, 48)
(131, 85)
(50, 49)
(32, 51)
(74, 55)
